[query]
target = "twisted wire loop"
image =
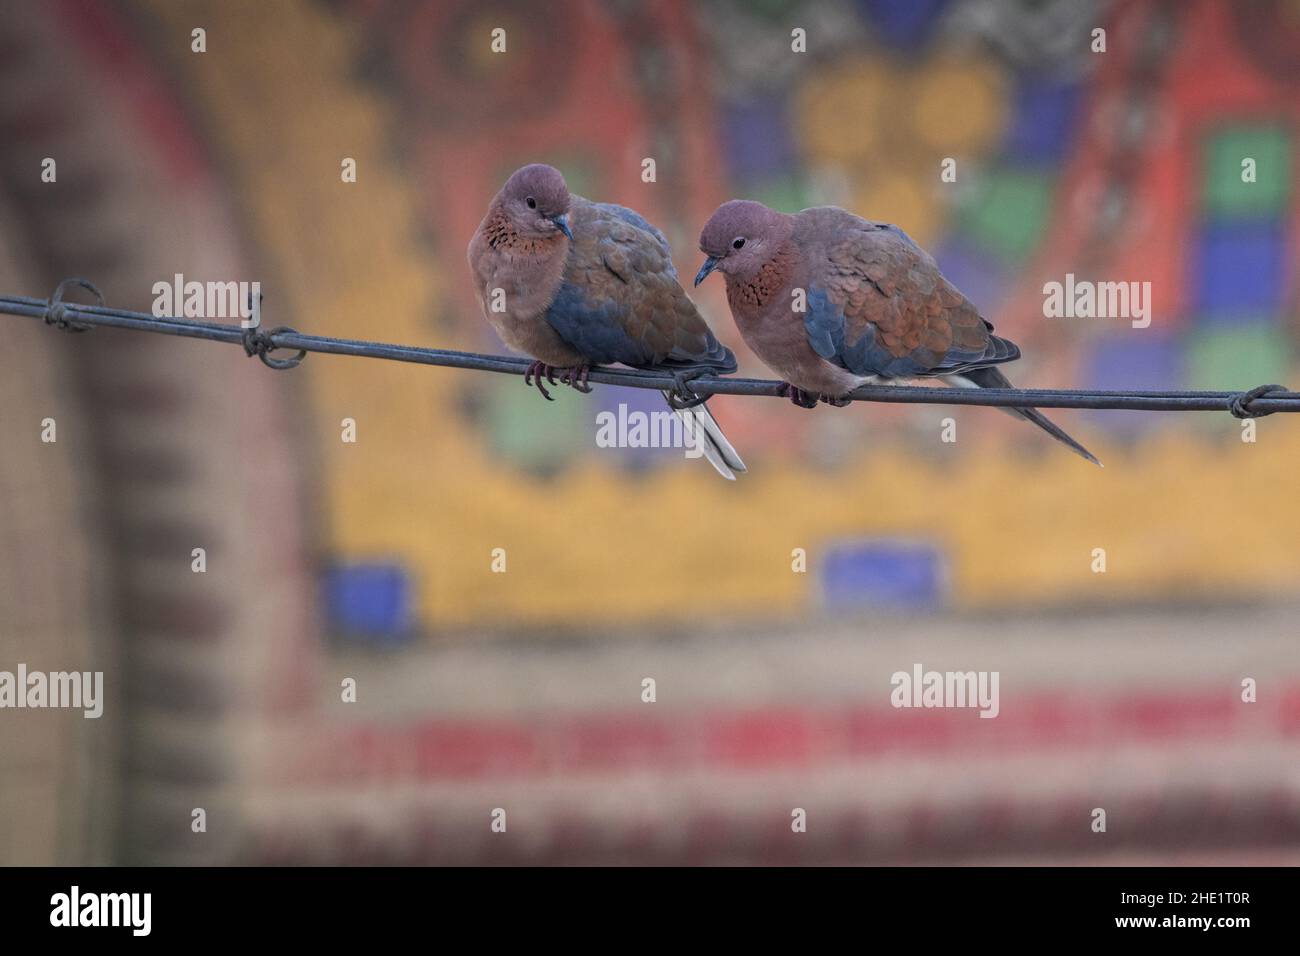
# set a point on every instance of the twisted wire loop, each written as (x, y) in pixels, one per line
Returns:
(1239, 405)
(56, 312)
(259, 343)
(682, 396)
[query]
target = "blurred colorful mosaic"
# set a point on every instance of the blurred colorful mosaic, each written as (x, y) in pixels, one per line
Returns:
(1126, 165)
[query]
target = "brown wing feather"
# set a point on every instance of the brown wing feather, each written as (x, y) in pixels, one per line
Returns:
(881, 278)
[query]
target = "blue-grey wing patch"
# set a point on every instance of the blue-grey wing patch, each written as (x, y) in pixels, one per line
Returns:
(594, 328)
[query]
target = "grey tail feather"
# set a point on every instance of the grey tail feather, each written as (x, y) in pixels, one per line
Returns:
(699, 424)
(993, 378)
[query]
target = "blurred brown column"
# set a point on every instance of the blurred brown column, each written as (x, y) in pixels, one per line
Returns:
(164, 445)
(56, 787)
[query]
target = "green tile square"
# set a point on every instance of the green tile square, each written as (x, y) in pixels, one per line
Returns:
(773, 10)
(1008, 211)
(1225, 195)
(1238, 356)
(535, 433)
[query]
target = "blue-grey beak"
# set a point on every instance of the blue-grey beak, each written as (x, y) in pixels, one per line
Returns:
(562, 221)
(710, 264)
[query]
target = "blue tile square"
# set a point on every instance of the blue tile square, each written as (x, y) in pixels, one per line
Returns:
(757, 139)
(1134, 359)
(1239, 267)
(369, 600)
(1043, 121)
(639, 402)
(902, 23)
(882, 573)
(1137, 359)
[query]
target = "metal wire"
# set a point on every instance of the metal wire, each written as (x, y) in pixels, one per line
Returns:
(1264, 400)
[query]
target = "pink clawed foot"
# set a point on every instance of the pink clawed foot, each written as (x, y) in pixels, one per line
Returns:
(810, 399)
(576, 378)
(798, 396)
(533, 375)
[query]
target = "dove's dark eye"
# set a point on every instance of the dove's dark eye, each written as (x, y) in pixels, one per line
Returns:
(737, 242)
(532, 203)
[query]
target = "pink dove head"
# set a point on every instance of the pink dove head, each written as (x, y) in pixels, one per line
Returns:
(740, 238)
(536, 199)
